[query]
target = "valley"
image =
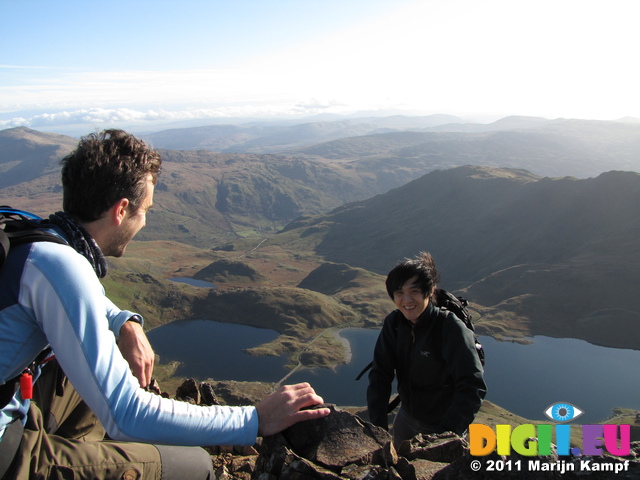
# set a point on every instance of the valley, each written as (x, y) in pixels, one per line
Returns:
(299, 238)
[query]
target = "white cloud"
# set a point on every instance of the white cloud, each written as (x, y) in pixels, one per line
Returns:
(105, 117)
(573, 58)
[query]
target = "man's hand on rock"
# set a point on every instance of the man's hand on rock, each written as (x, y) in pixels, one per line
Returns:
(283, 408)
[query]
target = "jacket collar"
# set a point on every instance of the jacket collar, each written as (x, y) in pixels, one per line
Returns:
(426, 320)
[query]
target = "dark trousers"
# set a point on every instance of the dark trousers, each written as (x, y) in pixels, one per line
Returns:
(405, 427)
(63, 439)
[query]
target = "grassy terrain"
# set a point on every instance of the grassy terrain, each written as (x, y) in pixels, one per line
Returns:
(256, 290)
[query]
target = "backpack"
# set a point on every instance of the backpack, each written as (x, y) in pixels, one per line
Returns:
(458, 306)
(18, 227)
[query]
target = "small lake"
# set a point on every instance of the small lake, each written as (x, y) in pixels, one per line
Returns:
(210, 349)
(523, 378)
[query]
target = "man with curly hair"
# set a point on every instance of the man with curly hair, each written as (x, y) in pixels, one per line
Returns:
(51, 300)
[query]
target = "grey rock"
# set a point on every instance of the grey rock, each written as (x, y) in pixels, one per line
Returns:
(341, 439)
(444, 448)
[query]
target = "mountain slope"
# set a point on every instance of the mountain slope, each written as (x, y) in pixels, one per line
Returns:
(25, 146)
(559, 254)
(29, 164)
(202, 198)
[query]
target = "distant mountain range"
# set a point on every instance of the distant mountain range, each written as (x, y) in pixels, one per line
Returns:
(533, 249)
(211, 197)
(274, 136)
(560, 147)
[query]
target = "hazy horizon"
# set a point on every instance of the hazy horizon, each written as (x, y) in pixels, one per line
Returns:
(83, 66)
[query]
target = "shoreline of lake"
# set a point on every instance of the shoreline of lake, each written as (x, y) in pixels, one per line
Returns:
(523, 378)
(346, 344)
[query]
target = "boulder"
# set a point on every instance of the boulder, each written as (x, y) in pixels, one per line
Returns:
(341, 439)
(343, 446)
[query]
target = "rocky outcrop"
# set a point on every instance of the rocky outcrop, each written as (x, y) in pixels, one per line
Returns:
(198, 393)
(328, 445)
(342, 446)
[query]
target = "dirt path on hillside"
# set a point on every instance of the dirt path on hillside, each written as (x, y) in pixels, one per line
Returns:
(335, 331)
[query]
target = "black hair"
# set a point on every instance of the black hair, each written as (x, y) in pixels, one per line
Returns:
(423, 267)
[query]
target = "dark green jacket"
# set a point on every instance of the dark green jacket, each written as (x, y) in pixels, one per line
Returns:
(440, 377)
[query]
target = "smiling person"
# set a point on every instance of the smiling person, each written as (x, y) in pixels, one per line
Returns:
(52, 302)
(431, 353)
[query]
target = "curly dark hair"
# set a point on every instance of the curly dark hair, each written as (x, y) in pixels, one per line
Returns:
(423, 267)
(104, 168)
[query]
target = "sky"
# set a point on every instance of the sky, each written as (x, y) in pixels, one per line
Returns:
(84, 64)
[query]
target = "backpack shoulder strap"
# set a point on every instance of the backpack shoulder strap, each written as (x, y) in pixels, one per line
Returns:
(33, 235)
(396, 321)
(5, 244)
(18, 227)
(465, 318)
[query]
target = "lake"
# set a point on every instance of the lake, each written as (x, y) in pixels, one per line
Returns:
(526, 379)
(210, 349)
(523, 378)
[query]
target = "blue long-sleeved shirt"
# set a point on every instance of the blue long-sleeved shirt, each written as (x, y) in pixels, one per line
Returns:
(50, 295)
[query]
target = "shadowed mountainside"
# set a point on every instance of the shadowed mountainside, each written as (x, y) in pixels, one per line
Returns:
(560, 255)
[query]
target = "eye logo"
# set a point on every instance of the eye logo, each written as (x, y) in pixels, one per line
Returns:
(563, 412)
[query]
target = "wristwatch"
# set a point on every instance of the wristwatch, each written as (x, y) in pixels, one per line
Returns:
(135, 318)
